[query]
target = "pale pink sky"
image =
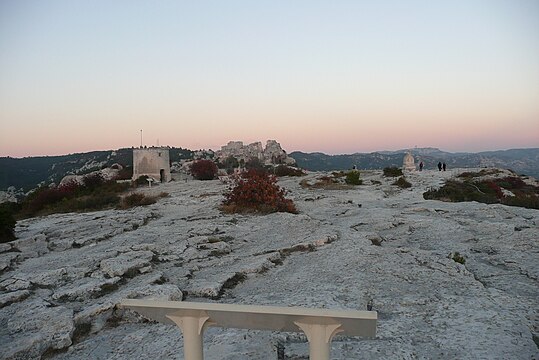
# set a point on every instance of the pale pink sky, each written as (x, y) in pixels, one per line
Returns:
(332, 77)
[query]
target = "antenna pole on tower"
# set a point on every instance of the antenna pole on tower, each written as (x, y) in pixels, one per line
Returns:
(141, 138)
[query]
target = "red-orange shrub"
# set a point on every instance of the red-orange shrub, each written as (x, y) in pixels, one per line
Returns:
(204, 170)
(257, 191)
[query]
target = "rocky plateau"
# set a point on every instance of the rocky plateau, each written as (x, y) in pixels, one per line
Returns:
(61, 281)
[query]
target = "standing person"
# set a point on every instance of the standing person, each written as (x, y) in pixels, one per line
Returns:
(444, 166)
(421, 166)
(439, 166)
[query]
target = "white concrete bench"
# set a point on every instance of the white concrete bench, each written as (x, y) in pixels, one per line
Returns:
(319, 325)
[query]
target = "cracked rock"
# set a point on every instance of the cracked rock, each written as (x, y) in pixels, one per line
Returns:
(33, 327)
(127, 262)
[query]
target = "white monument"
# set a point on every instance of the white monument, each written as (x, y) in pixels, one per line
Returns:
(408, 163)
(153, 162)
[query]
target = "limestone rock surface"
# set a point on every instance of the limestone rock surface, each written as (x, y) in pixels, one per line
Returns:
(61, 281)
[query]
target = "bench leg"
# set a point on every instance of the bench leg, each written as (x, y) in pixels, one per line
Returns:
(319, 333)
(192, 324)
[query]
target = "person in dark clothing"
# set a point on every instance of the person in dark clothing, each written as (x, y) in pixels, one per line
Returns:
(421, 166)
(444, 166)
(439, 166)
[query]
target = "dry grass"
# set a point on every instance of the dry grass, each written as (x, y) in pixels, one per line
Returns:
(325, 183)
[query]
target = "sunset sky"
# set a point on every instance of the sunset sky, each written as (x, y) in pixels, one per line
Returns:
(330, 76)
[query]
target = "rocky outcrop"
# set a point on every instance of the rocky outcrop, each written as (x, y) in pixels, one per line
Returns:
(106, 173)
(271, 154)
(11, 195)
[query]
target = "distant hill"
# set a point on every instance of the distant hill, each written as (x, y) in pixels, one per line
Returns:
(523, 161)
(27, 173)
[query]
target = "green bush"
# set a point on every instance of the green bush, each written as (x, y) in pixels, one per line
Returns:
(392, 171)
(352, 178)
(402, 183)
(487, 192)
(483, 172)
(7, 223)
(522, 200)
(462, 191)
(456, 257)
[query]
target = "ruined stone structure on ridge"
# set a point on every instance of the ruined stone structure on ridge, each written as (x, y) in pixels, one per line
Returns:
(153, 162)
(271, 154)
(408, 163)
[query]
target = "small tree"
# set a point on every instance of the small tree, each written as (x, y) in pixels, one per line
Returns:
(352, 178)
(257, 191)
(204, 169)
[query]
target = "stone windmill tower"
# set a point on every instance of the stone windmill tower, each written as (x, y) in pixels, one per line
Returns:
(153, 162)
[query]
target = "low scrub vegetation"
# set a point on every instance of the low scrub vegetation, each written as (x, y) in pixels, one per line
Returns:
(7, 223)
(402, 183)
(139, 199)
(338, 174)
(457, 257)
(392, 171)
(256, 191)
(510, 190)
(136, 199)
(93, 194)
(125, 173)
(203, 170)
(338, 180)
(483, 172)
(141, 181)
(352, 178)
(284, 170)
(229, 164)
